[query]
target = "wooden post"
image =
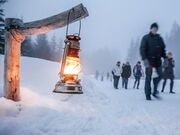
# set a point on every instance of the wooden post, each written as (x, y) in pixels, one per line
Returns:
(13, 41)
(15, 33)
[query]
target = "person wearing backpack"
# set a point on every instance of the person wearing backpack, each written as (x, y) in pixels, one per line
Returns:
(126, 74)
(137, 72)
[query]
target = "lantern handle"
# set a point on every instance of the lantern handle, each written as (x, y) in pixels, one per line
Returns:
(68, 19)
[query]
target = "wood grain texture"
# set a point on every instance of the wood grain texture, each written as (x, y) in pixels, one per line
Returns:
(57, 21)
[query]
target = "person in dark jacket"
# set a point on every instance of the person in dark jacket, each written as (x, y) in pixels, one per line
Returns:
(97, 75)
(126, 73)
(168, 72)
(123, 84)
(152, 49)
(137, 72)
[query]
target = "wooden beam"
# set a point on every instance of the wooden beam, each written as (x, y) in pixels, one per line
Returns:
(57, 21)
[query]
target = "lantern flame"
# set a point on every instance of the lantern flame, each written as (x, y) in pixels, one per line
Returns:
(72, 66)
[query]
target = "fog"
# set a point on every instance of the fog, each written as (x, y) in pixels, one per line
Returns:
(111, 25)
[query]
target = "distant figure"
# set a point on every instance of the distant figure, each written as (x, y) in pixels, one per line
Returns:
(126, 73)
(102, 77)
(137, 72)
(123, 65)
(97, 75)
(116, 72)
(152, 49)
(107, 76)
(168, 72)
(111, 78)
(122, 76)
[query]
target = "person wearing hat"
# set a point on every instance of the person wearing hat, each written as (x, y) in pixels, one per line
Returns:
(152, 49)
(137, 72)
(168, 72)
(116, 72)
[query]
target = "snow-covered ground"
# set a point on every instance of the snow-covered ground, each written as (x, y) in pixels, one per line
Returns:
(101, 110)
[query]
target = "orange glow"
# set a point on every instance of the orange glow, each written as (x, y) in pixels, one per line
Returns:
(72, 66)
(73, 37)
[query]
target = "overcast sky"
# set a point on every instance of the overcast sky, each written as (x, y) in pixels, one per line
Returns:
(111, 24)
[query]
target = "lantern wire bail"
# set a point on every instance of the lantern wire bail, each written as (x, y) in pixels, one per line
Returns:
(68, 19)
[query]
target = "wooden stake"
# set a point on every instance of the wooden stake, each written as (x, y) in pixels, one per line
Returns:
(12, 62)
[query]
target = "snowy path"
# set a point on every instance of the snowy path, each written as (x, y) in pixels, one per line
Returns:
(129, 113)
(101, 110)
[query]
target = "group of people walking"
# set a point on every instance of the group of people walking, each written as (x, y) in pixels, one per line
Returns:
(152, 51)
(125, 72)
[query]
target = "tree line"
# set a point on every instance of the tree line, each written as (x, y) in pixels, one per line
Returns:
(2, 37)
(42, 48)
(173, 45)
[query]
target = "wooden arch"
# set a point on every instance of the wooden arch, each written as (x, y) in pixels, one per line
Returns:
(15, 33)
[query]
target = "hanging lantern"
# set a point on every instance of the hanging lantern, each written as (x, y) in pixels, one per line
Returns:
(70, 67)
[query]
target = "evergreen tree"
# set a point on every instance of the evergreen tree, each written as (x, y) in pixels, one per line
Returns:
(27, 47)
(133, 52)
(54, 47)
(43, 49)
(2, 38)
(173, 45)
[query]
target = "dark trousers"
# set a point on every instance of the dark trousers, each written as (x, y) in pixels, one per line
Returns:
(171, 84)
(116, 81)
(137, 81)
(125, 83)
(155, 80)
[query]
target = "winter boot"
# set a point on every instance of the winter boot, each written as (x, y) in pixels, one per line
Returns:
(134, 86)
(148, 97)
(172, 92)
(156, 95)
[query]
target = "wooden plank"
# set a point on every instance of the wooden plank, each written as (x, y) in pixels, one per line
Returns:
(57, 21)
